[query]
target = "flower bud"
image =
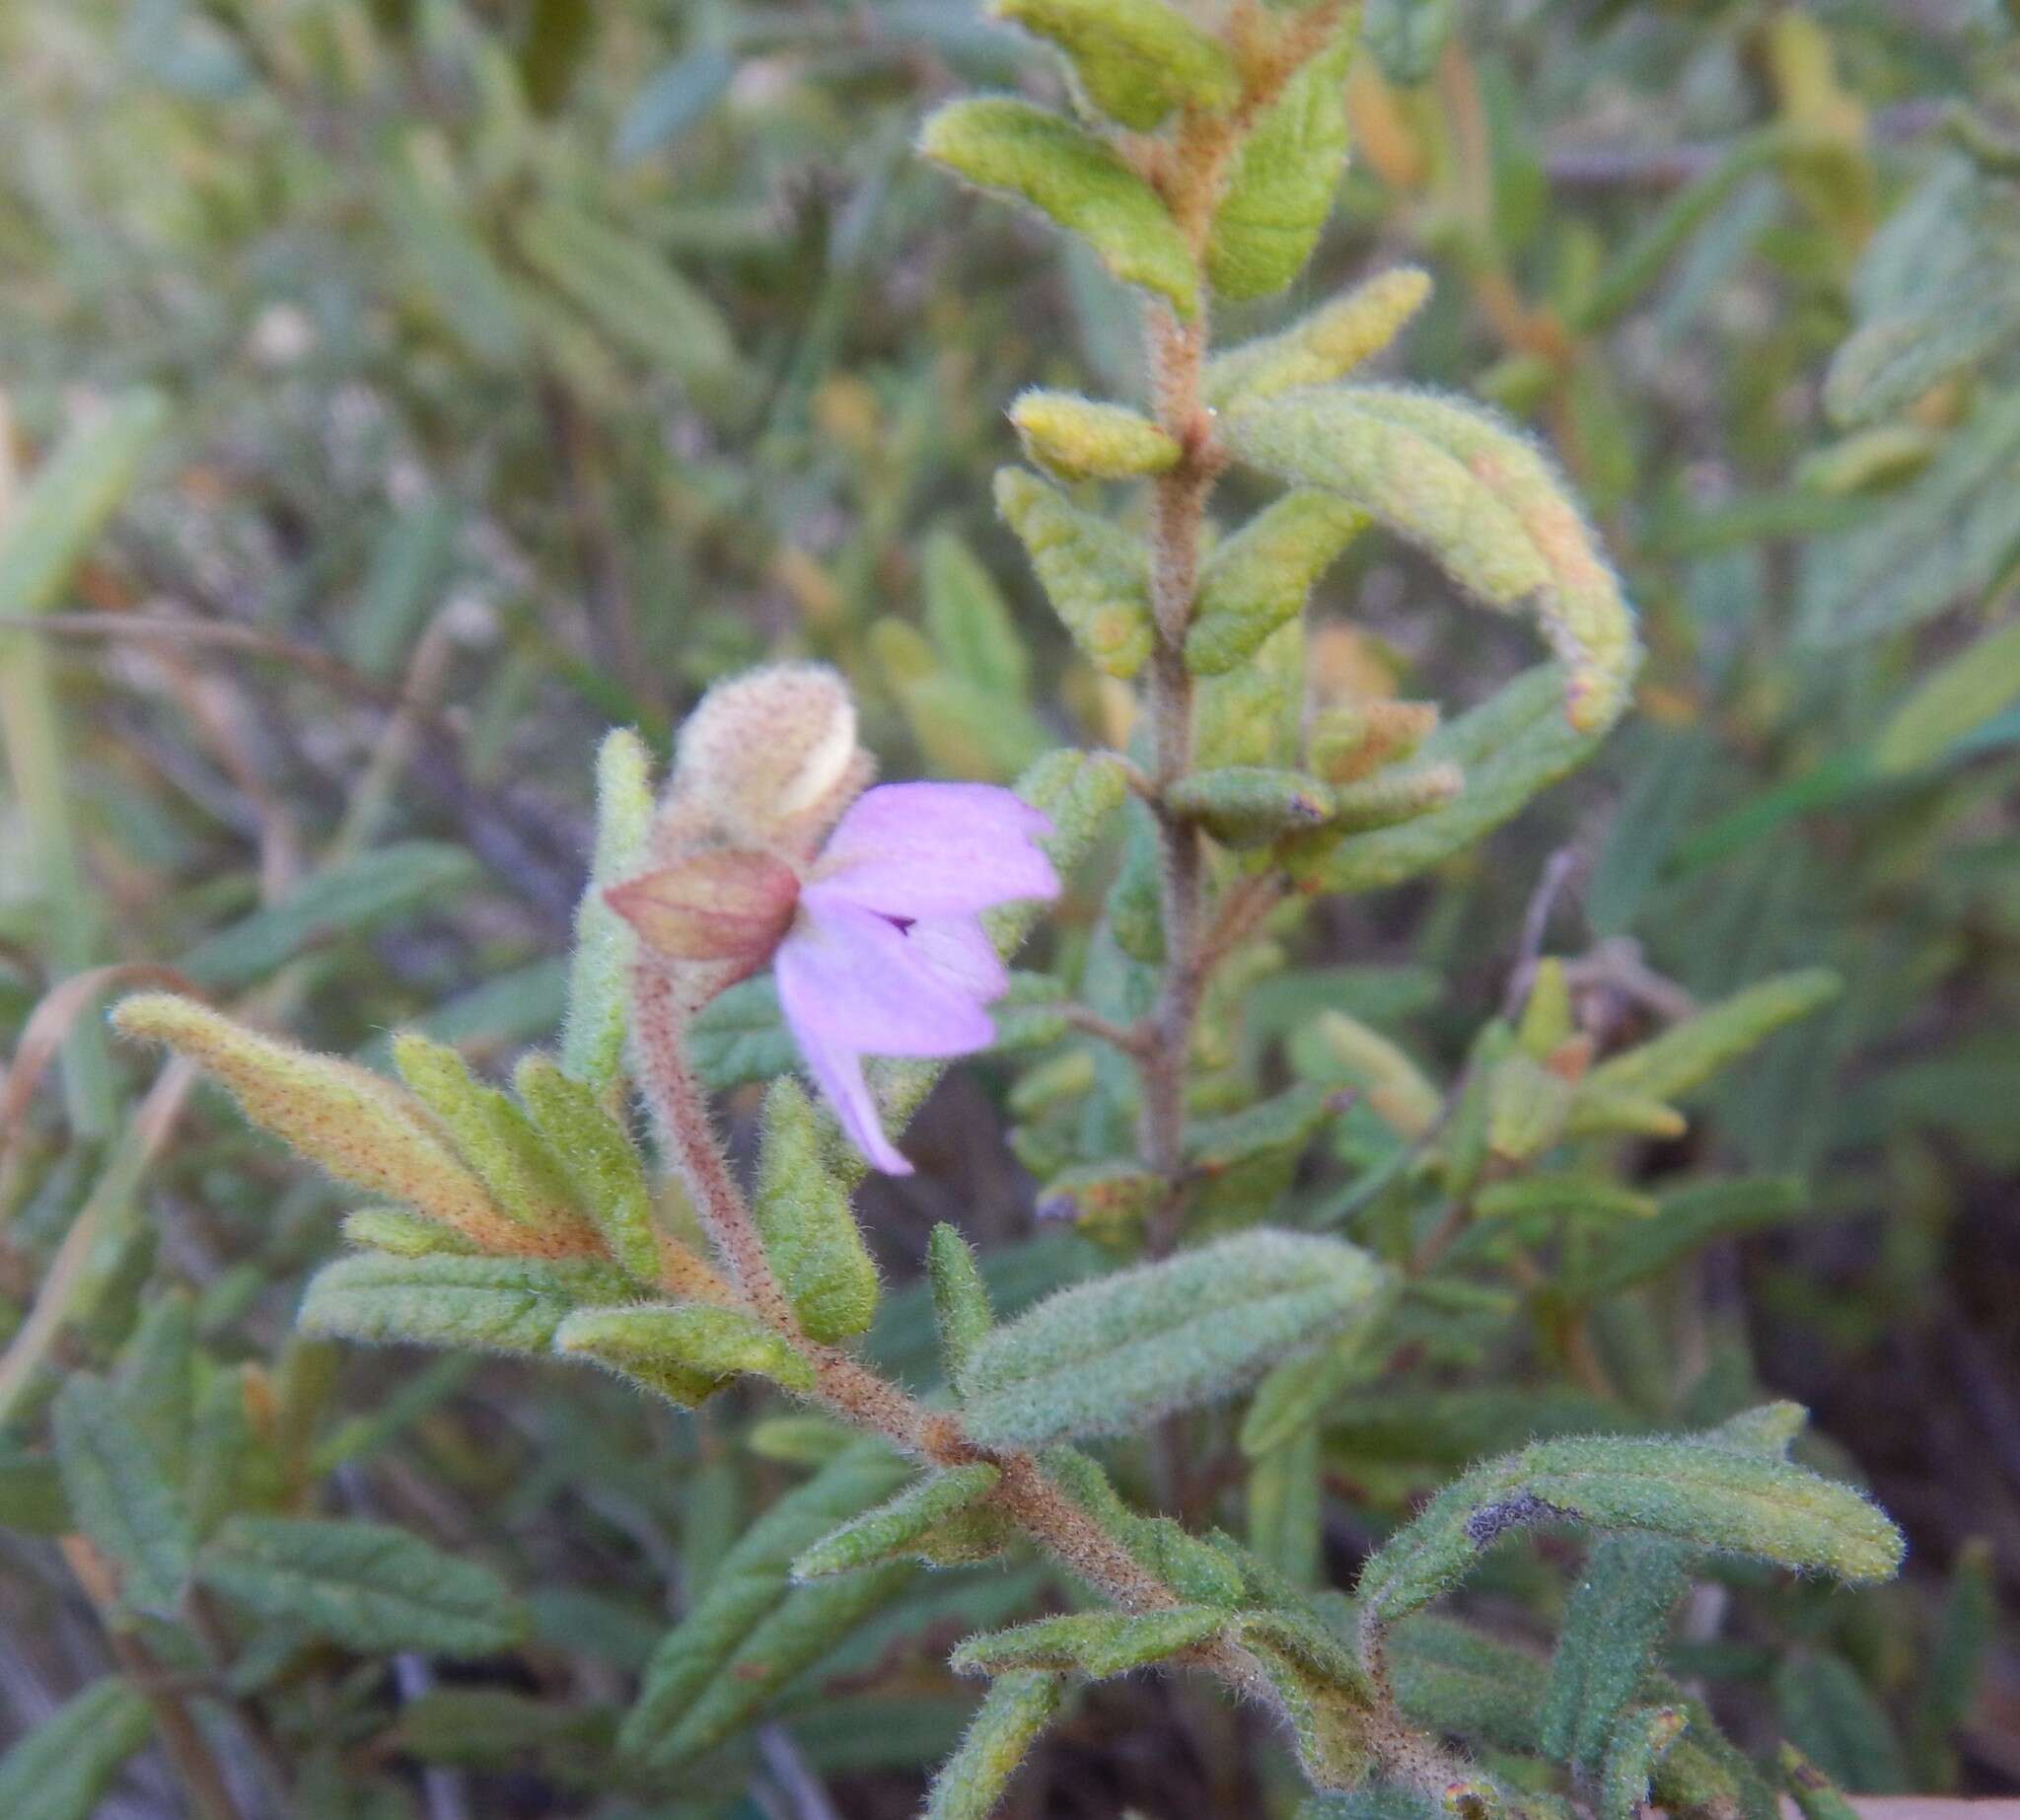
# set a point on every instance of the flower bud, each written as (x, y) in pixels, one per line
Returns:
(722, 903)
(764, 749)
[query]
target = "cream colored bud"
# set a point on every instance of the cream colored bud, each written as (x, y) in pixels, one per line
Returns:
(765, 748)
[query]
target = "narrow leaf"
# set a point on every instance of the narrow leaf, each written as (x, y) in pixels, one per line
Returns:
(811, 1237)
(894, 1527)
(1096, 1643)
(119, 1496)
(593, 1034)
(62, 1768)
(369, 1586)
(1096, 584)
(1110, 1356)
(1018, 1707)
(501, 1304)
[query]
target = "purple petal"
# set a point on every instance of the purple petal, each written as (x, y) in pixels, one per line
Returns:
(956, 949)
(839, 1073)
(936, 849)
(851, 979)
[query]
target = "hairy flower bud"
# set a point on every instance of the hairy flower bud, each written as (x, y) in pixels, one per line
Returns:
(722, 903)
(766, 751)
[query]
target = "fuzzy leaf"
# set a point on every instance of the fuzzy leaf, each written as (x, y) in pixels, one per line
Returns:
(1477, 497)
(1109, 1357)
(740, 1037)
(403, 1234)
(811, 1237)
(1096, 584)
(1320, 348)
(1259, 578)
(961, 1300)
(492, 1135)
(1689, 1054)
(1616, 1619)
(1096, 1643)
(1451, 1678)
(1000, 144)
(119, 1496)
(597, 1159)
(1816, 1796)
(1509, 750)
(369, 1586)
(751, 1629)
(359, 1127)
(893, 1528)
(499, 1304)
(1701, 1491)
(1950, 1677)
(1077, 439)
(1283, 180)
(62, 1768)
(592, 1033)
(1017, 1709)
(685, 1349)
(1136, 59)
(1685, 1223)
(1251, 805)
(1284, 1500)
(1641, 1740)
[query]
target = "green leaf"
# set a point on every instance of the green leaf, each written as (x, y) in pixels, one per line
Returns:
(1947, 1686)
(1010, 146)
(1830, 1714)
(1283, 1507)
(895, 1528)
(119, 1495)
(1685, 1223)
(598, 1163)
(451, 266)
(593, 1032)
(967, 620)
(1096, 1643)
(1077, 439)
(62, 1768)
(1251, 805)
(636, 297)
(741, 1037)
(369, 1586)
(1283, 179)
(684, 1351)
(492, 1135)
(1136, 59)
(1617, 1620)
(342, 900)
(962, 1314)
(1323, 347)
(1509, 750)
(499, 1304)
(1451, 1678)
(1259, 579)
(1691, 1053)
(811, 1237)
(752, 1631)
(1475, 497)
(1955, 698)
(1096, 583)
(1018, 1707)
(156, 1379)
(403, 1234)
(1890, 360)
(1700, 1491)
(1816, 1796)
(1406, 36)
(1109, 1357)
(1641, 1740)
(76, 488)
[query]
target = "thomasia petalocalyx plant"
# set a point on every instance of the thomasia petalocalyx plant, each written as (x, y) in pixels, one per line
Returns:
(1202, 163)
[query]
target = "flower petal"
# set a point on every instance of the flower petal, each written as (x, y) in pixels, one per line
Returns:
(853, 979)
(956, 948)
(936, 849)
(839, 1073)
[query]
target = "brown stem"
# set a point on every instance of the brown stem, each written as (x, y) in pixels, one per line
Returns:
(680, 1103)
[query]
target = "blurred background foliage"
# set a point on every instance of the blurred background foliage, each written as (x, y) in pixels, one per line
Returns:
(471, 375)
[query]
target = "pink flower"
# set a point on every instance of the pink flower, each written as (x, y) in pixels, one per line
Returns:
(886, 954)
